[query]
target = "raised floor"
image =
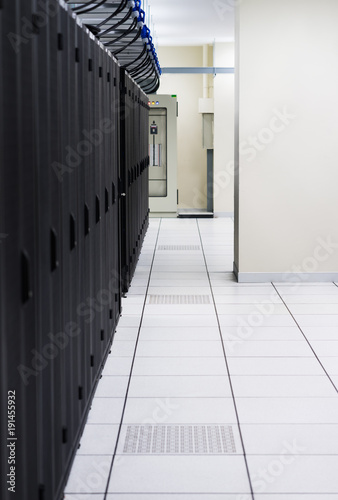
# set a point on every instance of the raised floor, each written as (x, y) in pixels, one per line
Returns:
(213, 389)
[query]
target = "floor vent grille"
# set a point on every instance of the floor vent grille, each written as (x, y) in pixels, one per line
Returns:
(179, 299)
(179, 439)
(178, 247)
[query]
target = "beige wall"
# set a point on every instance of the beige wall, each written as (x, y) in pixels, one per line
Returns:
(224, 54)
(286, 138)
(192, 160)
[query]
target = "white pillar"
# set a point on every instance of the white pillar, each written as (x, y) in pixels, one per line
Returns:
(224, 131)
(286, 140)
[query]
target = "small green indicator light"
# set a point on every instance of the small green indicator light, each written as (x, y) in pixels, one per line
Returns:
(174, 96)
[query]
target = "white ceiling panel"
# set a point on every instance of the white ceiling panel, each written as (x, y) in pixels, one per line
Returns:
(193, 22)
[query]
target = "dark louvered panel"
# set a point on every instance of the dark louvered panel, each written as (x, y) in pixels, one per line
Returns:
(69, 219)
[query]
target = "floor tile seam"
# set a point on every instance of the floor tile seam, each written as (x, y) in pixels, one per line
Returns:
(158, 375)
(309, 343)
(208, 494)
(225, 423)
(225, 338)
(243, 375)
(173, 396)
(227, 368)
(131, 368)
(221, 356)
(185, 454)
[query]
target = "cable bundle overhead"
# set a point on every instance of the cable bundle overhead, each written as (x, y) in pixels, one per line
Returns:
(121, 27)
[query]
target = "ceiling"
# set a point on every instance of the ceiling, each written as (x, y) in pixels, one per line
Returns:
(192, 22)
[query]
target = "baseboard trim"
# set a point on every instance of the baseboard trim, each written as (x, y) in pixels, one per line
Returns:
(163, 215)
(292, 278)
(224, 214)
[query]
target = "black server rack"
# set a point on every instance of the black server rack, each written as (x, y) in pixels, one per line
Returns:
(73, 215)
(134, 174)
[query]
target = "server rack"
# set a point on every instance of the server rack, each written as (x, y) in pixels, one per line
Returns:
(69, 149)
(134, 177)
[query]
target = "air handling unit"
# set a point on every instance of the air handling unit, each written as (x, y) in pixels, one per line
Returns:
(163, 154)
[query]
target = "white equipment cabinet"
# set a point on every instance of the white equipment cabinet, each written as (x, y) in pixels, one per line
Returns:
(163, 154)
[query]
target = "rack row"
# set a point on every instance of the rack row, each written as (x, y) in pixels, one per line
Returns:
(73, 215)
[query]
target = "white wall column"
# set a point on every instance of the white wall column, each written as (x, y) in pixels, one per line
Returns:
(286, 144)
(224, 131)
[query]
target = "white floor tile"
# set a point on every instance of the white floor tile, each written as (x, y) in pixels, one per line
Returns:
(182, 320)
(191, 474)
(220, 276)
(320, 333)
(117, 366)
(294, 496)
(180, 411)
(180, 387)
(287, 410)
(196, 284)
(122, 348)
(334, 379)
(137, 282)
(275, 366)
(125, 333)
(247, 299)
(303, 284)
(247, 386)
(225, 250)
(193, 496)
(184, 271)
(137, 290)
(179, 309)
(311, 299)
(258, 308)
(311, 309)
(305, 439)
(78, 496)
(224, 266)
(129, 321)
(218, 241)
(179, 366)
(163, 254)
(189, 258)
(314, 289)
(276, 348)
(112, 387)
(221, 264)
(89, 474)
(177, 349)
(132, 299)
(184, 264)
(262, 333)
(301, 475)
(106, 411)
(180, 333)
(243, 289)
(98, 440)
(325, 348)
(257, 318)
(176, 271)
(330, 365)
(132, 309)
(143, 268)
(180, 290)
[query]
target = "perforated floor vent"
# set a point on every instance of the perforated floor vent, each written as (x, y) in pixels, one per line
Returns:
(178, 247)
(179, 299)
(179, 439)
